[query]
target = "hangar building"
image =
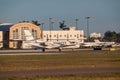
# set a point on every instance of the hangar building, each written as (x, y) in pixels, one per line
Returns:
(13, 35)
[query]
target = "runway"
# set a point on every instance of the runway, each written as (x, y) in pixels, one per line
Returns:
(51, 51)
(39, 52)
(54, 72)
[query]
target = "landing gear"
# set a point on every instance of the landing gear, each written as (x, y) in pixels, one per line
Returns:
(60, 49)
(43, 50)
(97, 48)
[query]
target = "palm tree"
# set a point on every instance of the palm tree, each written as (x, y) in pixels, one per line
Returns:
(36, 23)
(62, 24)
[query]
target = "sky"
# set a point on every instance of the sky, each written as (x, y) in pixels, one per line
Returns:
(104, 14)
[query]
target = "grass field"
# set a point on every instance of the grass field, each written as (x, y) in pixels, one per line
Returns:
(70, 77)
(68, 60)
(76, 60)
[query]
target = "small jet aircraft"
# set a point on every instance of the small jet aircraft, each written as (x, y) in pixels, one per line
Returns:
(68, 44)
(97, 43)
(89, 44)
(40, 43)
(105, 44)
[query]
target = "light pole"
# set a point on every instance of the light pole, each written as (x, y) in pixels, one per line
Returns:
(50, 27)
(87, 26)
(42, 30)
(76, 23)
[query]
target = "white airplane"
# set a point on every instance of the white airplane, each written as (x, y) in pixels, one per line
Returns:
(68, 44)
(97, 43)
(116, 45)
(89, 44)
(39, 43)
(105, 44)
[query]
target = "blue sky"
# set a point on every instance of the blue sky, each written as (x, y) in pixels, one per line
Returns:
(104, 14)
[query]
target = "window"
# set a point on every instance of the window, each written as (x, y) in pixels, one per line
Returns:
(50, 35)
(80, 35)
(74, 35)
(54, 35)
(60, 35)
(15, 34)
(14, 44)
(34, 33)
(44, 35)
(77, 35)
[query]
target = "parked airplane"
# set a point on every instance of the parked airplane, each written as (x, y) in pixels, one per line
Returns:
(39, 43)
(89, 44)
(105, 44)
(116, 45)
(68, 44)
(97, 43)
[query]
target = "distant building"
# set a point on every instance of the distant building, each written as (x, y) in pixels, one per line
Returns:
(4, 28)
(95, 35)
(1, 39)
(63, 35)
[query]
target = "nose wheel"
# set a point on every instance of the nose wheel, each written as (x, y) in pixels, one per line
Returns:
(60, 49)
(43, 50)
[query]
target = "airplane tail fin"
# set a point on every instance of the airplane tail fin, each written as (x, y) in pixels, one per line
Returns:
(28, 35)
(96, 41)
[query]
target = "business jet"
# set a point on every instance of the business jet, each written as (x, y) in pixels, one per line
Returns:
(105, 44)
(40, 44)
(89, 44)
(97, 43)
(35, 44)
(68, 44)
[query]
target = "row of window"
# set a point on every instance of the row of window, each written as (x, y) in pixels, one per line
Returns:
(63, 35)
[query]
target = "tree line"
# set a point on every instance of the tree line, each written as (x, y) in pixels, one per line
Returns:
(111, 36)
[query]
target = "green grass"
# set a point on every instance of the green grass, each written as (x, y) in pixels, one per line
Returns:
(110, 76)
(75, 60)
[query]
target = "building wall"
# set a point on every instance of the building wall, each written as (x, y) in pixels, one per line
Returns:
(65, 35)
(95, 35)
(1, 39)
(17, 36)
